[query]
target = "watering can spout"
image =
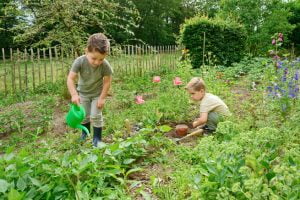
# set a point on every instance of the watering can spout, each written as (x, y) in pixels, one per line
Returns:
(83, 128)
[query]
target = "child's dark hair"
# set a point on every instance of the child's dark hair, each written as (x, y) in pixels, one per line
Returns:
(98, 42)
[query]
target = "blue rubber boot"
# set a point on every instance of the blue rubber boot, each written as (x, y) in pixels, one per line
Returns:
(97, 136)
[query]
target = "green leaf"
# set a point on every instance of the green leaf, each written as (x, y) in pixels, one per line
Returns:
(14, 195)
(291, 161)
(211, 169)
(197, 178)
(35, 182)
(270, 175)
(133, 170)
(3, 185)
(21, 184)
(45, 188)
(204, 172)
(165, 128)
(145, 195)
(128, 161)
(265, 164)
(8, 157)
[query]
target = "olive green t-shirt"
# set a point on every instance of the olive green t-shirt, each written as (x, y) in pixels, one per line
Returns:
(212, 103)
(90, 81)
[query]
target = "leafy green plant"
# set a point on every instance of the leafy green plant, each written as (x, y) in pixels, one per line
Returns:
(225, 40)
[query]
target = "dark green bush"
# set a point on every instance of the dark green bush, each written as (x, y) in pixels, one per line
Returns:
(224, 40)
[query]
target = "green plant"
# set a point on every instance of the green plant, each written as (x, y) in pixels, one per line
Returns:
(223, 39)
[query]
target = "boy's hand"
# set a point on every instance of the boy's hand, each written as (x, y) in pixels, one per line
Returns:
(76, 99)
(100, 103)
(195, 124)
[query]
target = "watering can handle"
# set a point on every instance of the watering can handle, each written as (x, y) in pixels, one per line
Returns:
(83, 128)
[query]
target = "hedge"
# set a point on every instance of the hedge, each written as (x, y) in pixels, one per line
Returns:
(224, 40)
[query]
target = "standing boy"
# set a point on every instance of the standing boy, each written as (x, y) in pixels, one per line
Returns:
(95, 76)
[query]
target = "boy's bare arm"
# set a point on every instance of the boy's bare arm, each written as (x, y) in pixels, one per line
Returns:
(71, 87)
(106, 85)
(201, 120)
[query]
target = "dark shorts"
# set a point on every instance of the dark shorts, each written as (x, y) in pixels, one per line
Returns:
(212, 122)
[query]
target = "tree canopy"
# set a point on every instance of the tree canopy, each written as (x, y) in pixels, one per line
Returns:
(154, 22)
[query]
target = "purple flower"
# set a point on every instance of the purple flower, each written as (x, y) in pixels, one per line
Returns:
(296, 89)
(286, 70)
(273, 41)
(292, 93)
(276, 57)
(296, 77)
(278, 65)
(269, 88)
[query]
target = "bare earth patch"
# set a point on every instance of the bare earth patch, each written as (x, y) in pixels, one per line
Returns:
(59, 125)
(159, 171)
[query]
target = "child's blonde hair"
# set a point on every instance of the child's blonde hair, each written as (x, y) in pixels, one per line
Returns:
(196, 84)
(98, 42)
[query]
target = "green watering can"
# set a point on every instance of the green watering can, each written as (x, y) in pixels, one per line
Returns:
(75, 116)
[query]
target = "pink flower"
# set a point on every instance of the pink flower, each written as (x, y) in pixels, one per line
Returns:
(156, 79)
(280, 35)
(139, 100)
(177, 81)
(273, 41)
(280, 39)
(276, 57)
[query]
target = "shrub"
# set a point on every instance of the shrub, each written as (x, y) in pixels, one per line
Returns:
(223, 39)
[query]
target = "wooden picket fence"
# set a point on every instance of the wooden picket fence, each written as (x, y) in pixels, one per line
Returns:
(28, 68)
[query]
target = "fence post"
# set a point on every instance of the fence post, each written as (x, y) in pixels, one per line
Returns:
(26, 70)
(4, 75)
(129, 60)
(18, 63)
(170, 55)
(150, 58)
(51, 64)
(145, 58)
(13, 83)
(33, 71)
(62, 62)
(137, 59)
(56, 63)
(125, 58)
(39, 67)
(140, 66)
(45, 65)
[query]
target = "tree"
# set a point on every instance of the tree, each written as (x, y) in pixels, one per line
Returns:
(202, 7)
(10, 17)
(261, 19)
(70, 22)
(295, 20)
(155, 25)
